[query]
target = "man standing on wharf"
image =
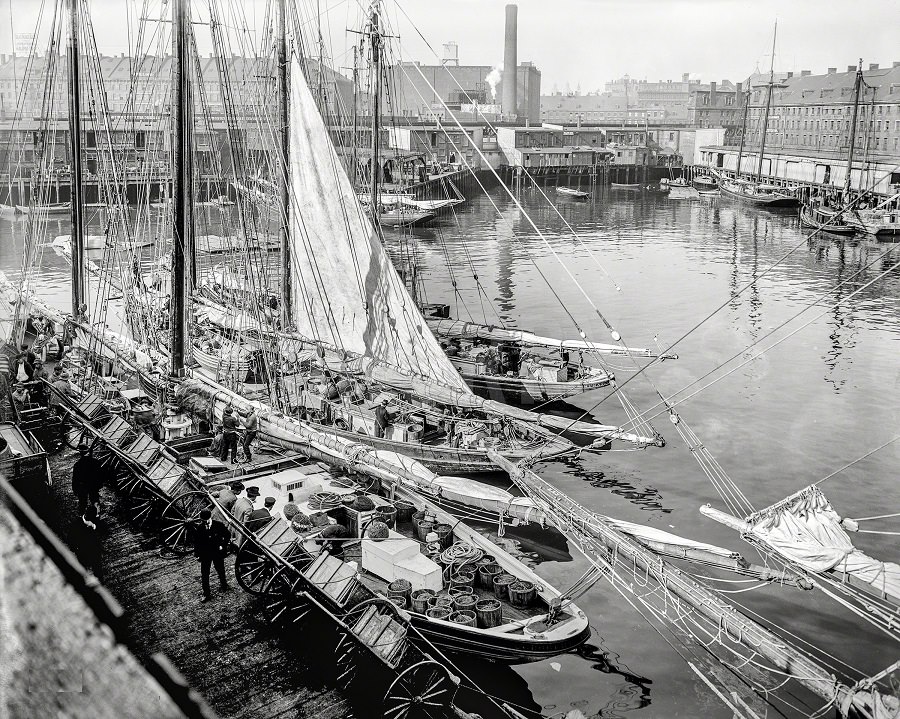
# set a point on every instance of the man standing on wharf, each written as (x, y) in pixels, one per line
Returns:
(87, 478)
(229, 437)
(211, 546)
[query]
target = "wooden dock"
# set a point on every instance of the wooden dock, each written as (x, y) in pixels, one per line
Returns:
(224, 648)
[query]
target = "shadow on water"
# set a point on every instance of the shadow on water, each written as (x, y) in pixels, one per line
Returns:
(646, 498)
(505, 685)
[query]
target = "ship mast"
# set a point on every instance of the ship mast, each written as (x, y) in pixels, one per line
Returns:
(183, 185)
(76, 196)
(765, 123)
(283, 189)
(856, 90)
(737, 172)
(375, 39)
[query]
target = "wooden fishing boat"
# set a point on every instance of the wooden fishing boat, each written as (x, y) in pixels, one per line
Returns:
(677, 182)
(876, 222)
(573, 193)
(403, 216)
(705, 184)
(91, 242)
(63, 208)
(456, 569)
(8, 210)
(760, 194)
(657, 189)
(826, 219)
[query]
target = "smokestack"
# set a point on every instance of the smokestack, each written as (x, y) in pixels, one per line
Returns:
(873, 65)
(510, 61)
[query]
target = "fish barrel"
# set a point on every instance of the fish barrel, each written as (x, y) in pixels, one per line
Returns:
(521, 594)
(445, 534)
(501, 585)
(489, 613)
(439, 601)
(438, 613)
(420, 599)
(423, 529)
(465, 602)
(459, 591)
(462, 579)
(416, 516)
(486, 574)
(466, 618)
(404, 510)
(388, 515)
(399, 602)
(400, 589)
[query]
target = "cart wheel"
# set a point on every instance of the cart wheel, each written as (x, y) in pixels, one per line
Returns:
(180, 518)
(131, 483)
(141, 508)
(283, 603)
(253, 569)
(346, 662)
(351, 617)
(421, 690)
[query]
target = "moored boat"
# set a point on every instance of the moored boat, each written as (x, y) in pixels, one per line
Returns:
(826, 219)
(878, 222)
(573, 193)
(705, 184)
(760, 194)
(626, 186)
(63, 208)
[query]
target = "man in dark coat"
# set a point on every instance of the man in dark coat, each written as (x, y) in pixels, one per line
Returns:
(229, 437)
(85, 541)
(210, 546)
(259, 518)
(87, 478)
(382, 418)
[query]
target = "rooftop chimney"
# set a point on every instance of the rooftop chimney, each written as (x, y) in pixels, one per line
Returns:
(510, 61)
(896, 63)
(790, 74)
(686, 77)
(873, 65)
(712, 94)
(851, 68)
(805, 73)
(832, 70)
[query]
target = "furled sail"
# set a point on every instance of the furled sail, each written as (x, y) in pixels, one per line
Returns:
(345, 290)
(807, 531)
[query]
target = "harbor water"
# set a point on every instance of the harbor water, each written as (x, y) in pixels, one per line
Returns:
(823, 397)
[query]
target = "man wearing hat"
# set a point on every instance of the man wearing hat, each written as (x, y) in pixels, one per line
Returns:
(210, 547)
(61, 388)
(227, 496)
(242, 509)
(382, 419)
(20, 396)
(229, 436)
(87, 478)
(259, 518)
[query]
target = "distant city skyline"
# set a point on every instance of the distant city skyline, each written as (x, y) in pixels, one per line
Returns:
(576, 43)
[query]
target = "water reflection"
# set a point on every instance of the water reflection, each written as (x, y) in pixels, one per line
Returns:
(632, 693)
(645, 498)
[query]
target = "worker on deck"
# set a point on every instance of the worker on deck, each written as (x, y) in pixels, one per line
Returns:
(260, 517)
(243, 507)
(21, 398)
(251, 426)
(229, 436)
(61, 388)
(382, 418)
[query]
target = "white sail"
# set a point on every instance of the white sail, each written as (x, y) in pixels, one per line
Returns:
(345, 290)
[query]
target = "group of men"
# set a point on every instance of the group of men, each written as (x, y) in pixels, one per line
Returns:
(213, 540)
(225, 441)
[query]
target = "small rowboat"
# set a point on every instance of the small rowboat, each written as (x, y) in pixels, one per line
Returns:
(706, 184)
(573, 193)
(63, 208)
(826, 219)
(628, 186)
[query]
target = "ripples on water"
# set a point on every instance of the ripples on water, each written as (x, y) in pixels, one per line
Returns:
(819, 400)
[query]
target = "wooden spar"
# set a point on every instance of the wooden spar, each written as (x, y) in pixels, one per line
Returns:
(765, 123)
(183, 179)
(375, 40)
(585, 528)
(856, 88)
(743, 527)
(737, 172)
(76, 196)
(283, 62)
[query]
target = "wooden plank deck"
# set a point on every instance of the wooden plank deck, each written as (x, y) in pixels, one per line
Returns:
(223, 648)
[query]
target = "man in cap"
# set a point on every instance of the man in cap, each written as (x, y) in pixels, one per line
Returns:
(210, 547)
(61, 388)
(229, 436)
(241, 510)
(251, 425)
(20, 396)
(87, 478)
(227, 496)
(382, 418)
(259, 518)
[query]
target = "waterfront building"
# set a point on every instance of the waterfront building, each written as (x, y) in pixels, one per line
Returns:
(718, 105)
(808, 132)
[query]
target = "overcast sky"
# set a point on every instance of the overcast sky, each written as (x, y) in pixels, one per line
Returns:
(588, 42)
